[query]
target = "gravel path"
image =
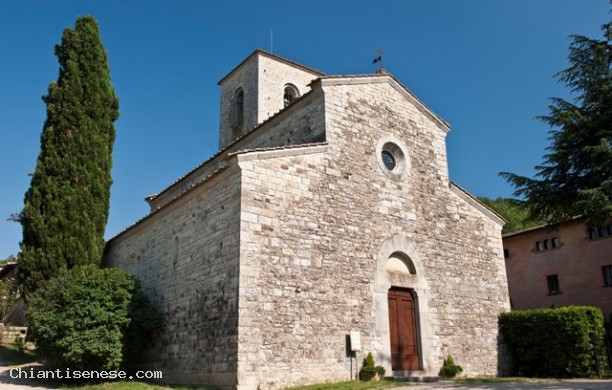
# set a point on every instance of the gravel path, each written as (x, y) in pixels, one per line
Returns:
(575, 384)
(8, 383)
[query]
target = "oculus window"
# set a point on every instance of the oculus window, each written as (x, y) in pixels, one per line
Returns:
(392, 158)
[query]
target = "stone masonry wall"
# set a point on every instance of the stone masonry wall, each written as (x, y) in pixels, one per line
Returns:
(246, 78)
(314, 237)
(186, 256)
(263, 79)
(457, 246)
(273, 76)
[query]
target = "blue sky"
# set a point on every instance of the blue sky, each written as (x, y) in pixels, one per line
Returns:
(486, 67)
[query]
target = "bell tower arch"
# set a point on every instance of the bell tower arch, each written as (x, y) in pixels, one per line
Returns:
(258, 88)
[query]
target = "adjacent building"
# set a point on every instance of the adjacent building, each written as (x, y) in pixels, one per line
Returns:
(560, 265)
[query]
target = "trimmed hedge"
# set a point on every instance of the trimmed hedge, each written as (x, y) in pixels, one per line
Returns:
(563, 343)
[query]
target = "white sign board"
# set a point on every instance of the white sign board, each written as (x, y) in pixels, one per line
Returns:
(355, 341)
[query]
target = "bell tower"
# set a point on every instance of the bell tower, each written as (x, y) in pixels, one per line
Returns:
(258, 88)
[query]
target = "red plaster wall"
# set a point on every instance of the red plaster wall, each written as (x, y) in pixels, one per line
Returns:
(578, 263)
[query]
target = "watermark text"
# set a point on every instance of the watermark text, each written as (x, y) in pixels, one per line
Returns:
(67, 373)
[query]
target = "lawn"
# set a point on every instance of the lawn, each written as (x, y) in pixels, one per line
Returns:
(130, 385)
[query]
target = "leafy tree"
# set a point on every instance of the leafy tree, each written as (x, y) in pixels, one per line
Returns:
(66, 206)
(82, 318)
(9, 293)
(576, 176)
(516, 214)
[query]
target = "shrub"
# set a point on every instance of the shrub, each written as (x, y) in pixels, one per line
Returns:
(78, 319)
(564, 342)
(449, 368)
(369, 369)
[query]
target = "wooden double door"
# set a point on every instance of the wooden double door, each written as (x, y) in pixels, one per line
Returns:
(403, 329)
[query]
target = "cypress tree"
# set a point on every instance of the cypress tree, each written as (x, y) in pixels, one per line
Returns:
(66, 206)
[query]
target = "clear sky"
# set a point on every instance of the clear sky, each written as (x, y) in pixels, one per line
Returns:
(486, 67)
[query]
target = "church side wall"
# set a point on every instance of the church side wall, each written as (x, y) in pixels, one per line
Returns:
(186, 257)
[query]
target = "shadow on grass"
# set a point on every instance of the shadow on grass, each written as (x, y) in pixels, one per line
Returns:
(11, 356)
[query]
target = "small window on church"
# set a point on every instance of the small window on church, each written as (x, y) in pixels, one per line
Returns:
(238, 114)
(392, 158)
(290, 94)
(388, 159)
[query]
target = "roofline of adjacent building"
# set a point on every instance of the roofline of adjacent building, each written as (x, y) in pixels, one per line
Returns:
(541, 227)
(274, 56)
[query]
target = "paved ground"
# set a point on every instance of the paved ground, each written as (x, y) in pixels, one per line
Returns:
(8, 383)
(548, 385)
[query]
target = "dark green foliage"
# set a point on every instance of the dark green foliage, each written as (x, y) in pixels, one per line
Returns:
(369, 369)
(144, 320)
(66, 206)
(563, 343)
(515, 213)
(449, 368)
(79, 319)
(576, 179)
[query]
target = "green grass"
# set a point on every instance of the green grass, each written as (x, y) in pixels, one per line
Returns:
(354, 385)
(130, 385)
(11, 356)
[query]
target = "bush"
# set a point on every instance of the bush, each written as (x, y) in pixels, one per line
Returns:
(369, 370)
(78, 320)
(449, 368)
(565, 342)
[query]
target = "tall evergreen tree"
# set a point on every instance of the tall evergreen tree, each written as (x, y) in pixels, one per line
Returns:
(576, 177)
(66, 206)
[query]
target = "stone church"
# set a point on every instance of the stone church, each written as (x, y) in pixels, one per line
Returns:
(325, 228)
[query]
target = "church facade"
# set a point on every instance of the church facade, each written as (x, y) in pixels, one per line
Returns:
(325, 228)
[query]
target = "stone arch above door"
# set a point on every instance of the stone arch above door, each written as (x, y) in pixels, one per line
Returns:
(399, 265)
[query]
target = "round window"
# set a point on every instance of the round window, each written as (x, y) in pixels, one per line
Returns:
(392, 158)
(388, 159)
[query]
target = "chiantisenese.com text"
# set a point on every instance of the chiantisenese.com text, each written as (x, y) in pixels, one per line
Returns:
(31, 373)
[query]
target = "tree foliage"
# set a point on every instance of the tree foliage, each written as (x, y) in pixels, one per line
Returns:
(66, 206)
(576, 176)
(82, 318)
(516, 214)
(9, 292)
